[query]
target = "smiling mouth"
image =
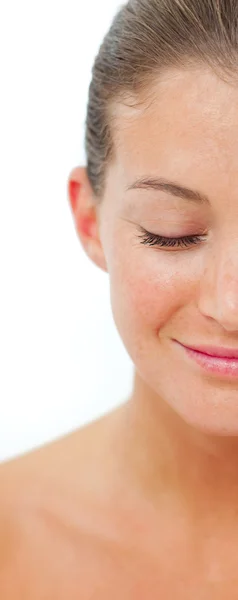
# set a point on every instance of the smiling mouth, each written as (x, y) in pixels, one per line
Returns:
(218, 351)
(217, 360)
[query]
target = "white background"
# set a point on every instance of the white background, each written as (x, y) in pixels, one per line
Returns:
(61, 359)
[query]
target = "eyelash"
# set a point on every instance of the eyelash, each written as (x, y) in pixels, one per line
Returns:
(152, 239)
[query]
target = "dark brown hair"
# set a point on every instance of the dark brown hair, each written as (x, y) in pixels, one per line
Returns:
(147, 37)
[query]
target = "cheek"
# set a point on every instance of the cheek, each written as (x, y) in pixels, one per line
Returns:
(148, 289)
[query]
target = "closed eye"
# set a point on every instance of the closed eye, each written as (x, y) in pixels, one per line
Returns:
(151, 239)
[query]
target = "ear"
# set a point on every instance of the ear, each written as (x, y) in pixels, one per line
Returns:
(86, 215)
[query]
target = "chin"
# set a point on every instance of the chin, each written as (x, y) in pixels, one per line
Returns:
(210, 418)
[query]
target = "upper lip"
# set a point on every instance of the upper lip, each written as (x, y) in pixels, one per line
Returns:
(219, 351)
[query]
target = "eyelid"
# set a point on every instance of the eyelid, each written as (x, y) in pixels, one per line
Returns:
(178, 243)
(194, 233)
(190, 227)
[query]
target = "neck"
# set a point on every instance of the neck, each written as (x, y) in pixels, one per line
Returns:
(167, 458)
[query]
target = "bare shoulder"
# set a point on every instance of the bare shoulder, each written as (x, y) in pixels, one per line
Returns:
(54, 463)
(57, 473)
(53, 517)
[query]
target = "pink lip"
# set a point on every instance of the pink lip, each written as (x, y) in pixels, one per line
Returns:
(218, 361)
(220, 352)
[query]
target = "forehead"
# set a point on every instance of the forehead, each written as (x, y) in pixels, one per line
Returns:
(187, 122)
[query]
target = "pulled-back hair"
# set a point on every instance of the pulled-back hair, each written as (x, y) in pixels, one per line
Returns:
(147, 37)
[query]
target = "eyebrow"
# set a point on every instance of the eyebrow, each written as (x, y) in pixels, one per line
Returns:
(165, 185)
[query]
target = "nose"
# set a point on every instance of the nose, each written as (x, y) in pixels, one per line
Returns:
(218, 291)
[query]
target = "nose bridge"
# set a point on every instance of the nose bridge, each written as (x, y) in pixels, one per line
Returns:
(219, 284)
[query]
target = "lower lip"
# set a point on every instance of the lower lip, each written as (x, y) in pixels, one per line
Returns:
(226, 367)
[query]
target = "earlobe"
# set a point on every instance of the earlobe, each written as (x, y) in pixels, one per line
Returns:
(96, 254)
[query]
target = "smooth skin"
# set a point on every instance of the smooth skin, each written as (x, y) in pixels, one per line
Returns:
(142, 503)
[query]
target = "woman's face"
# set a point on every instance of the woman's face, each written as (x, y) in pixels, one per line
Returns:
(187, 133)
